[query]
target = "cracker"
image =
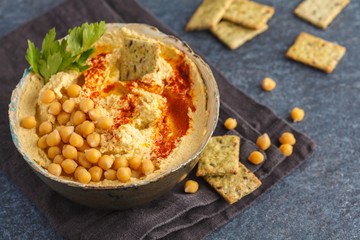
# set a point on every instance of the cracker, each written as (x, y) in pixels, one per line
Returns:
(319, 12)
(221, 156)
(234, 35)
(138, 57)
(233, 187)
(316, 52)
(249, 14)
(208, 14)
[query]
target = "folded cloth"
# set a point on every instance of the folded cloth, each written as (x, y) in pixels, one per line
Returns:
(175, 215)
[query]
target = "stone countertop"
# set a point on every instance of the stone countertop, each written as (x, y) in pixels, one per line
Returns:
(320, 199)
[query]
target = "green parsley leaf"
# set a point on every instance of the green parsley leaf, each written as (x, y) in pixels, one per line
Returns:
(33, 56)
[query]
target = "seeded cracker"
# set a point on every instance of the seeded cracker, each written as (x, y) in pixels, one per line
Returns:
(316, 52)
(233, 187)
(138, 57)
(234, 35)
(249, 14)
(208, 14)
(320, 12)
(221, 156)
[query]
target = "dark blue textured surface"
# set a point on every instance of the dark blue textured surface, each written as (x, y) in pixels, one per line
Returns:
(319, 200)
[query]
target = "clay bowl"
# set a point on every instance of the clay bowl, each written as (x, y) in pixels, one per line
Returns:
(123, 197)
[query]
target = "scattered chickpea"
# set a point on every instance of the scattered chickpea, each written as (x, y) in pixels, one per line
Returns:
(83, 162)
(53, 152)
(86, 105)
(93, 139)
(134, 162)
(84, 176)
(42, 142)
(45, 128)
(263, 142)
(77, 170)
(123, 174)
(73, 90)
(63, 118)
(288, 138)
(69, 166)
(96, 173)
(147, 167)
(66, 132)
(58, 159)
(191, 186)
(135, 174)
(78, 117)
(230, 123)
(94, 114)
(47, 96)
(106, 162)
(78, 129)
(93, 155)
(68, 106)
(53, 138)
(104, 122)
(87, 128)
(76, 140)
(297, 114)
(286, 149)
(28, 122)
(69, 152)
(54, 108)
(268, 84)
(119, 162)
(54, 169)
(110, 174)
(256, 157)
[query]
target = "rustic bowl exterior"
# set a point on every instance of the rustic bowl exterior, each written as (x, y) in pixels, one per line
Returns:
(128, 196)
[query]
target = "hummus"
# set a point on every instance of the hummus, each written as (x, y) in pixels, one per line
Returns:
(159, 115)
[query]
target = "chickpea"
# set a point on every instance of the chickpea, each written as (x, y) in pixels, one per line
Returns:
(256, 157)
(147, 167)
(191, 186)
(58, 159)
(76, 140)
(268, 84)
(69, 152)
(63, 118)
(288, 138)
(78, 117)
(93, 139)
(84, 176)
(96, 173)
(28, 122)
(110, 174)
(104, 123)
(45, 128)
(134, 162)
(47, 96)
(297, 114)
(263, 142)
(123, 174)
(94, 114)
(78, 129)
(86, 105)
(230, 123)
(65, 133)
(54, 169)
(286, 149)
(69, 166)
(84, 147)
(119, 162)
(93, 155)
(135, 173)
(106, 162)
(53, 151)
(68, 106)
(87, 128)
(54, 108)
(76, 173)
(42, 142)
(83, 162)
(73, 90)
(53, 138)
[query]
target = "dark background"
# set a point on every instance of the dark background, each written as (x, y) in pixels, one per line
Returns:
(319, 200)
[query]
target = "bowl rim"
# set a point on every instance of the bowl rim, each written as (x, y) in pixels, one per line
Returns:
(42, 171)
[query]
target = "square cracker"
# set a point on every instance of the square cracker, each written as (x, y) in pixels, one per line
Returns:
(234, 35)
(316, 52)
(220, 156)
(138, 57)
(233, 187)
(320, 12)
(249, 14)
(208, 14)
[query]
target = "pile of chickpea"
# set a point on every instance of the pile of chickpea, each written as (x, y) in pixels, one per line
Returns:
(72, 143)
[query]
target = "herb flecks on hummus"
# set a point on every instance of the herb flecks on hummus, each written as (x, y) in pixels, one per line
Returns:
(147, 123)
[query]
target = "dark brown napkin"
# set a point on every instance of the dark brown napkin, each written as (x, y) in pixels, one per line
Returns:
(175, 215)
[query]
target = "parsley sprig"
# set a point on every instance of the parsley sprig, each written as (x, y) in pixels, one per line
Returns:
(70, 53)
